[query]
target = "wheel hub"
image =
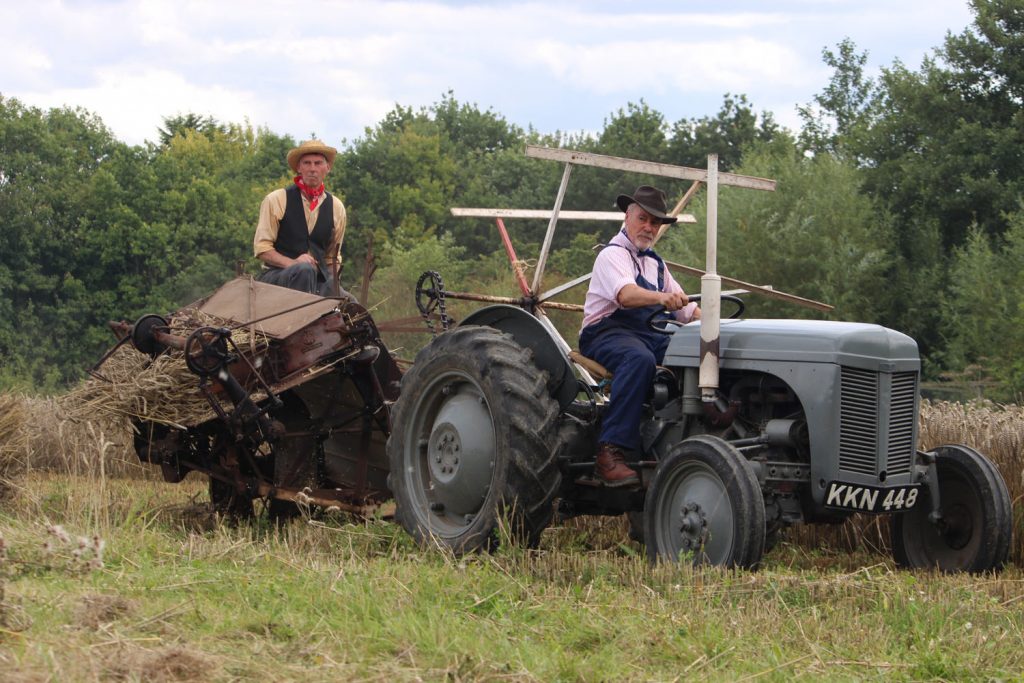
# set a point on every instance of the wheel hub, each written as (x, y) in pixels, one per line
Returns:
(956, 526)
(459, 452)
(693, 526)
(445, 448)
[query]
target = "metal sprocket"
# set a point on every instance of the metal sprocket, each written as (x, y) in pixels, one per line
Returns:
(432, 298)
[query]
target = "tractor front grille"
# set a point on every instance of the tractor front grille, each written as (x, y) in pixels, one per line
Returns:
(902, 419)
(877, 421)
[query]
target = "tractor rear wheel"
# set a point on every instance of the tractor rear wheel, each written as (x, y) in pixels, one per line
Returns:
(976, 526)
(705, 505)
(470, 444)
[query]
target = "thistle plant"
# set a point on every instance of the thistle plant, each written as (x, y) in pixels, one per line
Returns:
(61, 551)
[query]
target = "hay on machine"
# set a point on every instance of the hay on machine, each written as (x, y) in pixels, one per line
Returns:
(271, 393)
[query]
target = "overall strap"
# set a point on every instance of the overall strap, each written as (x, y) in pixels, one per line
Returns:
(639, 270)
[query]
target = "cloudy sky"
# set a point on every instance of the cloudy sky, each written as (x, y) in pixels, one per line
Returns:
(337, 66)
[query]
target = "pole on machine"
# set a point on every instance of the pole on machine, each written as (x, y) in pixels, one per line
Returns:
(710, 293)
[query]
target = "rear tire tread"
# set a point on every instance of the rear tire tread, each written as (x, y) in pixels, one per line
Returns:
(521, 409)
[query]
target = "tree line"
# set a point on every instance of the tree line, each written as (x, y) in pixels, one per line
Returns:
(898, 201)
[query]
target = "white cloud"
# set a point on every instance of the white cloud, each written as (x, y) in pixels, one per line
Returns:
(717, 66)
(159, 23)
(337, 66)
(134, 101)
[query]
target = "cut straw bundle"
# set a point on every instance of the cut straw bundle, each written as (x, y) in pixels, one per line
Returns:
(132, 386)
(12, 434)
(94, 420)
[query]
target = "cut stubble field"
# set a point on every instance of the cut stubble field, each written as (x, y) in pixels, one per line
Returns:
(108, 574)
(132, 579)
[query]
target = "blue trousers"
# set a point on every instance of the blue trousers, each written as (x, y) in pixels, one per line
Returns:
(301, 276)
(632, 357)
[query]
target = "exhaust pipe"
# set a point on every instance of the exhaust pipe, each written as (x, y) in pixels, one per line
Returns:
(710, 294)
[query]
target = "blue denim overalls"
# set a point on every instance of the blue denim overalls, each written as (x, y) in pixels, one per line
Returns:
(625, 345)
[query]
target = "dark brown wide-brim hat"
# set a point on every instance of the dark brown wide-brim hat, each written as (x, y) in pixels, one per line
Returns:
(650, 199)
(310, 147)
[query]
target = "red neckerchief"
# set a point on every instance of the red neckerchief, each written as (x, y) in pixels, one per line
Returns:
(312, 195)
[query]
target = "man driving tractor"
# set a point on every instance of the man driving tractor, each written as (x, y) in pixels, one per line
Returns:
(629, 284)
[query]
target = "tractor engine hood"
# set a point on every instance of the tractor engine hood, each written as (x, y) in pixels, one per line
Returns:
(862, 345)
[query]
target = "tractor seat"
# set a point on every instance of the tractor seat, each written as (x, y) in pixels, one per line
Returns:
(598, 371)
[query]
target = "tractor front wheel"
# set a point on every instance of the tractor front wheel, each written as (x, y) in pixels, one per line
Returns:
(975, 528)
(705, 506)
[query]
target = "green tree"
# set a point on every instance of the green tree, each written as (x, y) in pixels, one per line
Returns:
(976, 310)
(945, 145)
(47, 160)
(182, 124)
(96, 230)
(938, 148)
(843, 106)
(828, 246)
(408, 171)
(635, 132)
(397, 177)
(983, 313)
(728, 134)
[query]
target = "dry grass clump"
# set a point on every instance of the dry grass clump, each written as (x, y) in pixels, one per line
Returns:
(12, 435)
(12, 413)
(132, 385)
(38, 436)
(174, 663)
(99, 608)
(995, 430)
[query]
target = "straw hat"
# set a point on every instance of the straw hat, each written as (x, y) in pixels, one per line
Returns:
(310, 147)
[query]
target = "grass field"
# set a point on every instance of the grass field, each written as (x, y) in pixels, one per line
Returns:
(107, 574)
(175, 596)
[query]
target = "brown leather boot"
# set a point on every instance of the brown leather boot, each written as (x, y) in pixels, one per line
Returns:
(610, 467)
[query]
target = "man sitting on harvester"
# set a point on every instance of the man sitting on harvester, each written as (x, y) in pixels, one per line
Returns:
(630, 284)
(301, 227)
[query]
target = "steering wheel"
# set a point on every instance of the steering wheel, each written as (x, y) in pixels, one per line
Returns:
(659, 324)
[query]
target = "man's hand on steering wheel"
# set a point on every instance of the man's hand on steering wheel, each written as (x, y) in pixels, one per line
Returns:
(673, 301)
(659, 323)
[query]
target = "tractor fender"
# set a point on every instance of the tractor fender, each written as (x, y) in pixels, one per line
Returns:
(531, 334)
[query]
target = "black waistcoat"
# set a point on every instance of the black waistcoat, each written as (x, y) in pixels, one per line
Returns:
(294, 238)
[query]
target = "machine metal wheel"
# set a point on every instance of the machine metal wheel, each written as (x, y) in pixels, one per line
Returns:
(977, 521)
(636, 525)
(228, 502)
(705, 504)
(470, 442)
(294, 455)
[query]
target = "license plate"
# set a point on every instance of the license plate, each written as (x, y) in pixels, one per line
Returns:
(871, 498)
